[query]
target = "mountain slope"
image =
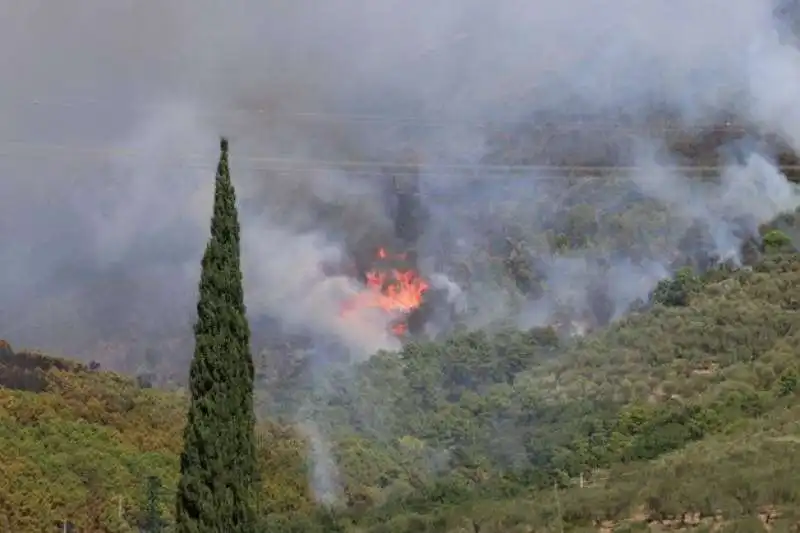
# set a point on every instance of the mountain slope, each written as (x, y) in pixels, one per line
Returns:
(681, 408)
(517, 411)
(78, 444)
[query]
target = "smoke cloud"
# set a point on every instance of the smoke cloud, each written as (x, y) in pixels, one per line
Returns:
(109, 137)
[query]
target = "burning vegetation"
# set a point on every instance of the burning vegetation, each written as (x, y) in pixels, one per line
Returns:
(392, 282)
(392, 286)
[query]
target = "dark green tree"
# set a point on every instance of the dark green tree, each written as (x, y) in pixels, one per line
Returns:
(218, 483)
(153, 522)
(676, 291)
(776, 241)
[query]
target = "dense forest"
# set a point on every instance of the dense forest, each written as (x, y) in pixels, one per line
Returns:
(681, 414)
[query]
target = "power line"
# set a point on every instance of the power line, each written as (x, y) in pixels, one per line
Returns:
(22, 150)
(320, 116)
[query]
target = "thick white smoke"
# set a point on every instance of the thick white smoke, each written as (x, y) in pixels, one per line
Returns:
(295, 287)
(305, 82)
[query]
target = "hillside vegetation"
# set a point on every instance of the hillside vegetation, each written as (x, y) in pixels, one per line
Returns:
(683, 414)
(80, 444)
(648, 387)
(709, 384)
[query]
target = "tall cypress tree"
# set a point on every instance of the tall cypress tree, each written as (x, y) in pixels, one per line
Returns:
(216, 492)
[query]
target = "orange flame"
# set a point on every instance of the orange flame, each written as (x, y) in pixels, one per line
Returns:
(395, 291)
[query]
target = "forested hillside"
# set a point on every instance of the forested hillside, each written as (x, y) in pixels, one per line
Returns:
(80, 445)
(682, 414)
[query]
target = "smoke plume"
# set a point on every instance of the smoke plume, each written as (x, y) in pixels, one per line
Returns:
(109, 139)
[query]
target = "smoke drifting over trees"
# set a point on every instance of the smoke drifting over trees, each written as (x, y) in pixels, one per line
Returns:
(100, 248)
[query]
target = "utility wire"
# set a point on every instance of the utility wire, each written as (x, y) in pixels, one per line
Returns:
(319, 116)
(23, 150)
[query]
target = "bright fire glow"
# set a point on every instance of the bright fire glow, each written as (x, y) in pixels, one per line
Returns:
(394, 291)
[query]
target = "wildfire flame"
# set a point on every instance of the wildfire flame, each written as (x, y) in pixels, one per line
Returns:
(395, 291)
